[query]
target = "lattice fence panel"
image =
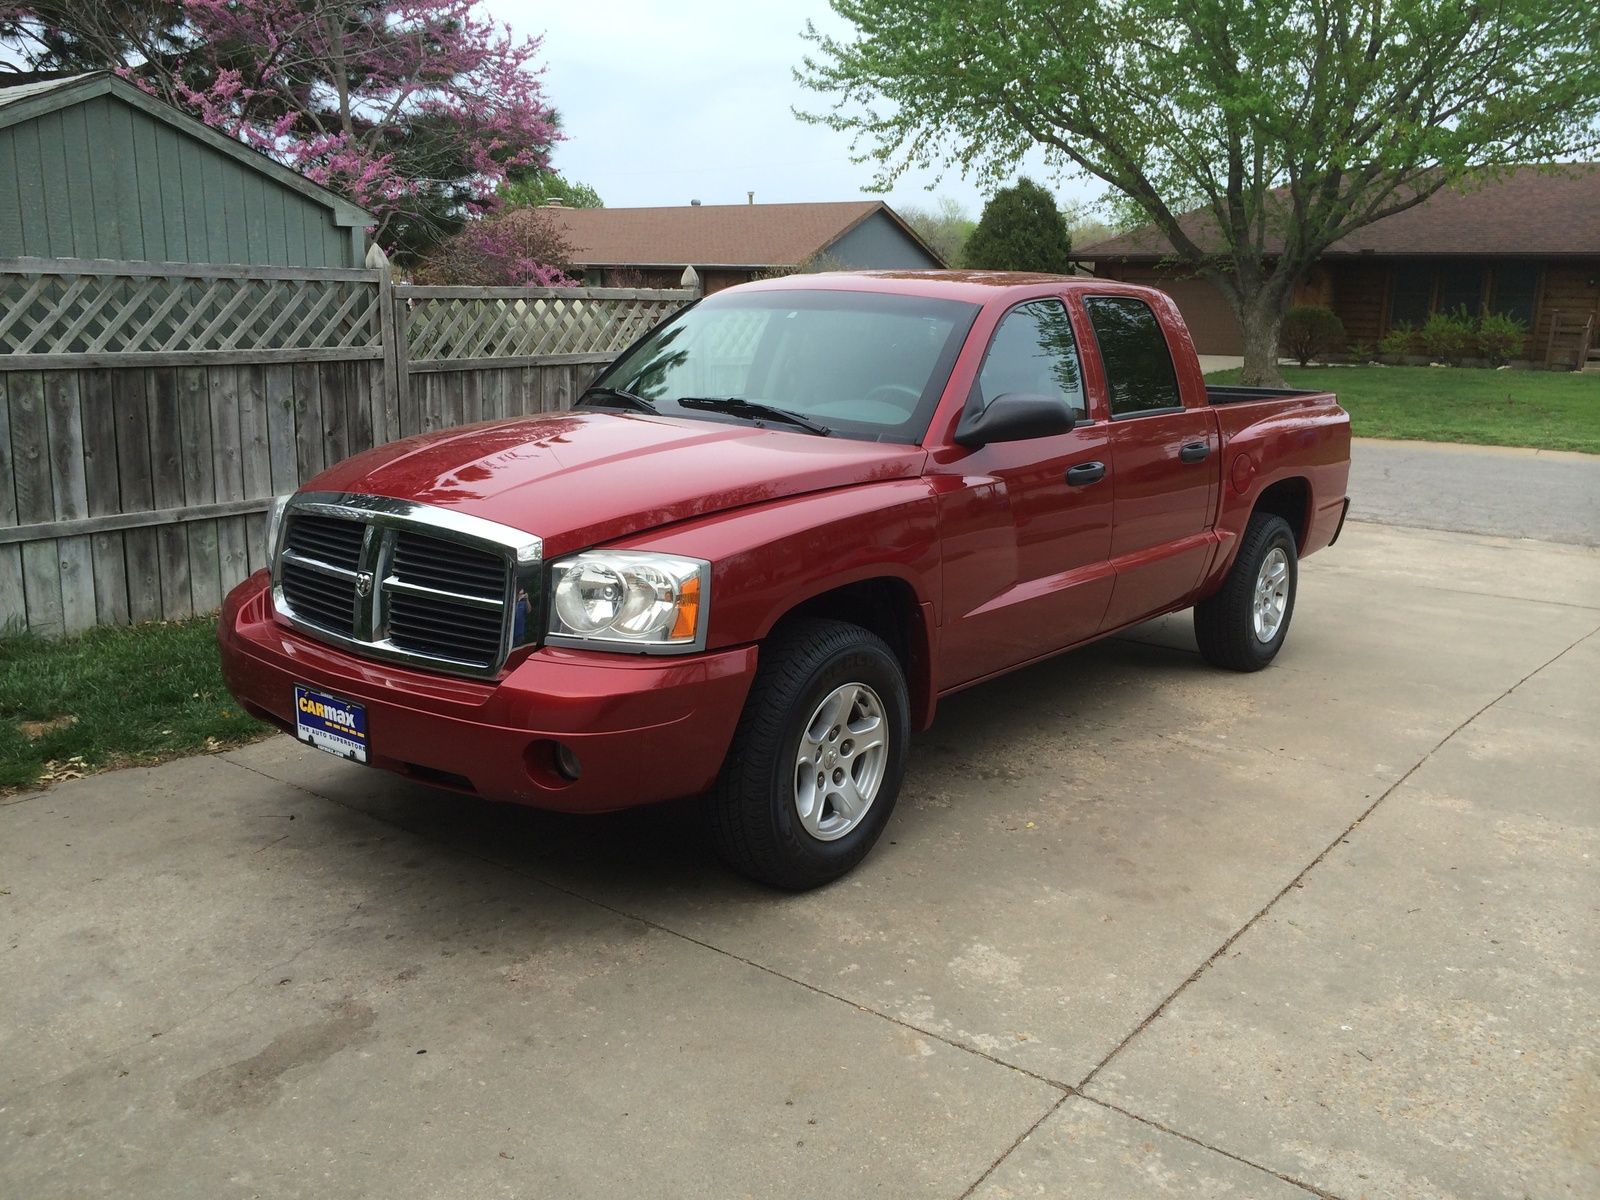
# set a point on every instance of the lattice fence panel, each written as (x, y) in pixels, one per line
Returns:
(59, 312)
(454, 328)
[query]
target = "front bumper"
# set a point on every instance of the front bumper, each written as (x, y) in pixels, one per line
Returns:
(644, 729)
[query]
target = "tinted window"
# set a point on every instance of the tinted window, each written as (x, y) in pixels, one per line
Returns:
(866, 364)
(1139, 374)
(1516, 288)
(1460, 287)
(1033, 351)
(1410, 295)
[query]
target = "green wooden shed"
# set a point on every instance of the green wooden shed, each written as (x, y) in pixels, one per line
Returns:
(92, 167)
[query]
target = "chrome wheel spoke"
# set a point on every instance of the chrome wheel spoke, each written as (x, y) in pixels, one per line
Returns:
(841, 761)
(1271, 600)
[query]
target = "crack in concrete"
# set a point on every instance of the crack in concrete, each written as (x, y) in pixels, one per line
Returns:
(1309, 1188)
(1011, 1149)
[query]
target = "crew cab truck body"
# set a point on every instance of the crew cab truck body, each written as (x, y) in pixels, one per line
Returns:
(770, 537)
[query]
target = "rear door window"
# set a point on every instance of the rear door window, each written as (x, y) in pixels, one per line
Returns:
(1139, 373)
(1033, 351)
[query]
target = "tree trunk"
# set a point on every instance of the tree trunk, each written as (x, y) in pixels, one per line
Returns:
(1261, 322)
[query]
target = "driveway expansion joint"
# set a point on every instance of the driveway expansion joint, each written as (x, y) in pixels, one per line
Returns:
(1300, 877)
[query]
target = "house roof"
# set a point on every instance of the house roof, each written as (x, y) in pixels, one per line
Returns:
(1532, 211)
(27, 101)
(716, 235)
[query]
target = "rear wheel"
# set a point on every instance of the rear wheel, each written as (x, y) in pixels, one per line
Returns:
(816, 763)
(1243, 625)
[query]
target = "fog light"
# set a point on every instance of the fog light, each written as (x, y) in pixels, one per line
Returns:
(567, 762)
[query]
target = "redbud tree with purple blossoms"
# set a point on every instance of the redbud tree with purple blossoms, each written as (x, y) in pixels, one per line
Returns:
(417, 110)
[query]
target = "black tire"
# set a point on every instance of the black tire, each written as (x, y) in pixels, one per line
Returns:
(1224, 624)
(752, 809)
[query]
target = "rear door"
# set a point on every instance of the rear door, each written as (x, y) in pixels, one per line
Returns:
(1164, 464)
(1026, 525)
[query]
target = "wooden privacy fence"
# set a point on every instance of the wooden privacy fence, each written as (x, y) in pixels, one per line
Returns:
(149, 412)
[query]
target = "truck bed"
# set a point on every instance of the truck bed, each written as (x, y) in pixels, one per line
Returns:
(1238, 395)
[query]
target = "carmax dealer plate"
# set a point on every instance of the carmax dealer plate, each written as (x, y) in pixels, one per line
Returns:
(331, 724)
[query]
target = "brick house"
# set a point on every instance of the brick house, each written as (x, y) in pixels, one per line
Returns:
(1527, 244)
(733, 243)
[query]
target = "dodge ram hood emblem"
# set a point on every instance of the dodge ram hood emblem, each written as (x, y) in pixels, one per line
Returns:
(364, 584)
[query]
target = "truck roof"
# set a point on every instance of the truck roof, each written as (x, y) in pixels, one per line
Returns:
(975, 287)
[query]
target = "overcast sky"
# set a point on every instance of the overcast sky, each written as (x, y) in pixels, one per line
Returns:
(664, 102)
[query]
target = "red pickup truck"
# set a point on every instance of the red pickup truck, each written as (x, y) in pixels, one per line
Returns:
(769, 537)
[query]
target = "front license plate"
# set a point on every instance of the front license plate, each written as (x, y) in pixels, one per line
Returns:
(331, 724)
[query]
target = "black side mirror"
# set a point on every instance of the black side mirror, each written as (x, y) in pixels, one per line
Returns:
(1015, 417)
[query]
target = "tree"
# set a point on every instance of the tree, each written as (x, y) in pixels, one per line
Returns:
(533, 188)
(415, 109)
(1288, 124)
(523, 247)
(1021, 230)
(946, 227)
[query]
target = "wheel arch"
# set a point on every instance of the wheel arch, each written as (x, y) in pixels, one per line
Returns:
(888, 606)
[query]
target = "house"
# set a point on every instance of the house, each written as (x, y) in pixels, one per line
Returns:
(733, 243)
(95, 168)
(1527, 244)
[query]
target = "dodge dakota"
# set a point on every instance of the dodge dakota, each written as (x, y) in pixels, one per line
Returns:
(749, 561)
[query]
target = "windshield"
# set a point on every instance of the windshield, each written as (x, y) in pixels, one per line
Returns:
(864, 364)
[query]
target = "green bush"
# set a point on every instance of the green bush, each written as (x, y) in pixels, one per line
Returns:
(1398, 342)
(1363, 352)
(1310, 331)
(1501, 337)
(1449, 336)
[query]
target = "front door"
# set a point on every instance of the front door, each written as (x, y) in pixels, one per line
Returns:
(1026, 526)
(1166, 459)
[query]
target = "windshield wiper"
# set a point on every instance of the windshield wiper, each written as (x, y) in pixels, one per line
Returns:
(628, 399)
(736, 406)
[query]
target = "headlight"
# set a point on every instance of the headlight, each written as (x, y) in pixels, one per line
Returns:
(630, 600)
(275, 524)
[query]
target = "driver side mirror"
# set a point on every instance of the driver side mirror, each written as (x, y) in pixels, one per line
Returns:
(1015, 417)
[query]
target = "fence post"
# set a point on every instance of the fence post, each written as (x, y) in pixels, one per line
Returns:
(387, 419)
(690, 280)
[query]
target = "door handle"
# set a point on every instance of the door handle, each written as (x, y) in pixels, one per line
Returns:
(1086, 473)
(1195, 452)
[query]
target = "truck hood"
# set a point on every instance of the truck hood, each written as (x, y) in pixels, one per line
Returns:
(579, 479)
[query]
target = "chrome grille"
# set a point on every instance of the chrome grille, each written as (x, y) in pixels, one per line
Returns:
(404, 581)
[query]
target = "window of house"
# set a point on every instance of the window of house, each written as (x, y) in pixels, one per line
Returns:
(1033, 351)
(1460, 288)
(1139, 373)
(1516, 290)
(1410, 294)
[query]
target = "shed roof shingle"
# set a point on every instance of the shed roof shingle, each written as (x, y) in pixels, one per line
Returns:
(727, 235)
(1533, 211)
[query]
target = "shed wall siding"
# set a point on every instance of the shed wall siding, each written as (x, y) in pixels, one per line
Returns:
(102, 179)
(878, 244)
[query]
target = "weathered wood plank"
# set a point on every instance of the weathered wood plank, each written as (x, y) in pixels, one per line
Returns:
(70, 495)
(97, 402)
(278, 386)
(13, 600)
(309, 445)
(199, 486)
(130, 390)
(255, 454)
(435, 365)
(30, 440)
(363, 420)
(41, 585)
(188, 358)
(415, 291)
(408, 402)
(233, 547)
(233, 551)
(331, 385)
(175, 270)
(117, 522)
(166, 482)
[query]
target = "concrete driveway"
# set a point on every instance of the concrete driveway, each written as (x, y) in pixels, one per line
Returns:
(1139, 928)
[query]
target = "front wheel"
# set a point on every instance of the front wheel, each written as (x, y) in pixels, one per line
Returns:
(1242, 627)
(816, 763)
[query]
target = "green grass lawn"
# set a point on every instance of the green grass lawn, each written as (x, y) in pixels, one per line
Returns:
(113, 697)
(1545, 409)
